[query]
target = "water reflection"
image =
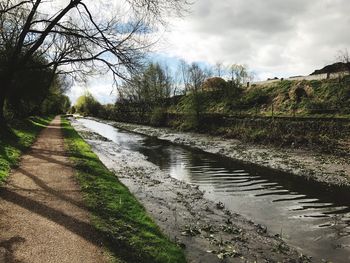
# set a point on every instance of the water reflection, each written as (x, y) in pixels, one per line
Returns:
(313, 217)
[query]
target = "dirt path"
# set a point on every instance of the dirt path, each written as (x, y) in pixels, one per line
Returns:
(42, 216)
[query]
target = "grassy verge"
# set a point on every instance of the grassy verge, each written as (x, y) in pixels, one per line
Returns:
(17, 137)
(130, 234)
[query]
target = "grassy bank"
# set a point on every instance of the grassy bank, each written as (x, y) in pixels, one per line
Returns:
(130, 234)
(305, 114)
(17, 137)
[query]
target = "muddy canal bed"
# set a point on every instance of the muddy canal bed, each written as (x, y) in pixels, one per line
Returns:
(196, 197)
(320, 167)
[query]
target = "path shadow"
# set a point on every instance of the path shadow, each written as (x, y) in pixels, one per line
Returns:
(37, 155)
(87, 231)
(48, 152)
(83, 229)
(49, 190)
(42, 153)
(7, 249)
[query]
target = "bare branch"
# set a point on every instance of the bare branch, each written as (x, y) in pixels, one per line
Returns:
(5, 8)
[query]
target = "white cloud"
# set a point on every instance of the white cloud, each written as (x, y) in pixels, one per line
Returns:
(273, 37)
(100, 87)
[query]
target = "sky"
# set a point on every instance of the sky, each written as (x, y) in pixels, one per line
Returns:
(279, 38)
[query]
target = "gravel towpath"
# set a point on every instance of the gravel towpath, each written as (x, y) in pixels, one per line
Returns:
(42, 214)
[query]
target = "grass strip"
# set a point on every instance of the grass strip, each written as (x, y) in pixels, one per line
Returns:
(15, 138)
(130, 234)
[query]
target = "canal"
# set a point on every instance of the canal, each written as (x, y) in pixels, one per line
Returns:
(311, 217)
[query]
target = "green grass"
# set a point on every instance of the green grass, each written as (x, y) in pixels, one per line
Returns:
(16, 138)
(130, 234)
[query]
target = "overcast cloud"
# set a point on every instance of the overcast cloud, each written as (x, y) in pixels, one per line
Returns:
(272, 37)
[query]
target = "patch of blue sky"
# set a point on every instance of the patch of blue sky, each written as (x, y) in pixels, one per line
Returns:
(135, 27)
(173, 62)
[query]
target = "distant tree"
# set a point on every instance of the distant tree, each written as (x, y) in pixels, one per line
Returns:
(239, 75)
(158, 82)
(72, 110)
(55, 104)
(344, 57)
(87, 105)
(219, 68)
(184, 75)
(108, 112)
(197, 77)
(149, 86)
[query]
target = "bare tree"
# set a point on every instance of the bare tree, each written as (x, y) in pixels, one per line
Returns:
(184, 72)
(239, 75)
(219, 68)
(197, 77)
(344, 57)
(150, 86)
(76, 36)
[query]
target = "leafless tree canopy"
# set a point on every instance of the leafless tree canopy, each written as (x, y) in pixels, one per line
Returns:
(83, 34)
(344, 56)
(77, 36)
(151, 86)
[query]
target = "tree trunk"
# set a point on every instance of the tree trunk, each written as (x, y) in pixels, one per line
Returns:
(2, 103)
(4, 88)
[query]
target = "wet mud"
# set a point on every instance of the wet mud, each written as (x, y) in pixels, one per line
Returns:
(323, 168)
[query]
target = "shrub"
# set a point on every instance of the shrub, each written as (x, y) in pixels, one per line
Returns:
(256, 96)
(158, 117)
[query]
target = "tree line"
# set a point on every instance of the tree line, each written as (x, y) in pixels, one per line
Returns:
(155, 90)
(187, 95)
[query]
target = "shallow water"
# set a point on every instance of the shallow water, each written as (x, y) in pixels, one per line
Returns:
(311, 217)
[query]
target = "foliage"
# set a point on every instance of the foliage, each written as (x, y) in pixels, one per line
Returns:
(319, 135)
(192, 106)
(55, 104)
(16, 138)
(28, 90)
(256, 96)
(72, 110)
(158, 117)
(131, 234)
(87, 105)
(214, 83)
(34, 91)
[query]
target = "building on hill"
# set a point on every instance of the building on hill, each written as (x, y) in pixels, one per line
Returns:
(338, 67)
(332, 71)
